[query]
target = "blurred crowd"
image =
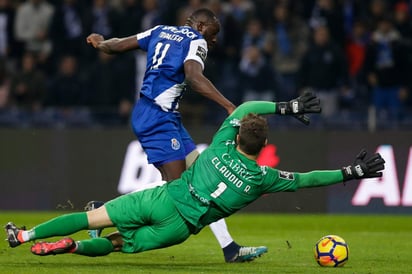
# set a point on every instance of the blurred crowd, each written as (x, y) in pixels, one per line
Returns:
(355, 54)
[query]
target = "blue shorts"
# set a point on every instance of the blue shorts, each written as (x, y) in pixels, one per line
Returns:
(161, 133)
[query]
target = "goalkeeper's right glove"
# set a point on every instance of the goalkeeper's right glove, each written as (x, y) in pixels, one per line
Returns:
(306, 103)
(364, 168)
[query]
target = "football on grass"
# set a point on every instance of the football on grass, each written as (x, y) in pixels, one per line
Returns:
(331, 250)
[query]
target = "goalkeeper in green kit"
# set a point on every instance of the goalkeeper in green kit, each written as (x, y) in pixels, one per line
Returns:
(224, 179)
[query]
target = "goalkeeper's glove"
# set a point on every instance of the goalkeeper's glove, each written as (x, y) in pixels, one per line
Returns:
(306, 103)
(364, 167)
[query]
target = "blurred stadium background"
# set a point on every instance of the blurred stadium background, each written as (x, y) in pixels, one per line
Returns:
(64, 107)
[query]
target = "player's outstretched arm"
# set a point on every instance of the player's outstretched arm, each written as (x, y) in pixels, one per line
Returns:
(306, 103)
(199, 83)
(113, 45)
(362, 168)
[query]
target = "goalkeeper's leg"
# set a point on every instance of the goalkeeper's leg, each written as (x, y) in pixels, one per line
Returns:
(60, 226)
(91, 247)
(94, 233)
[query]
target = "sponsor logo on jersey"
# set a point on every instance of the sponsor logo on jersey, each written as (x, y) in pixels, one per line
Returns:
(235, 122)
(286, 175)
(175, 143)
(186, 31)
(201, 52)
(230, 142)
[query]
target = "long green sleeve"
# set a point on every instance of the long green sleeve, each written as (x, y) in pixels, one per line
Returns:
(320, 178)
(258, 107)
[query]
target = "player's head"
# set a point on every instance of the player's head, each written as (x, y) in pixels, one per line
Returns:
(205, 21)
(253, 133)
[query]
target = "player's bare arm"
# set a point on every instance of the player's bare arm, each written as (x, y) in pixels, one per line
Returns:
(113, 45)
(199, 83)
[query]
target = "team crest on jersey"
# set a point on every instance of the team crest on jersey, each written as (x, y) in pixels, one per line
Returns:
(201, 52)
(175, 144)
(286, 175)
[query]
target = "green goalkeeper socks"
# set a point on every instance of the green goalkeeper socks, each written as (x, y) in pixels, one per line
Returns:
(60, 226)
(94, 247)
(68, 224)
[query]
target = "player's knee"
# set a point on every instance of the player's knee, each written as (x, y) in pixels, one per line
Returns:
(98, 218)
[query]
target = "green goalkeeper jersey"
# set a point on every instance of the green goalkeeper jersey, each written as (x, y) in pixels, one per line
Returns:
(222, 180)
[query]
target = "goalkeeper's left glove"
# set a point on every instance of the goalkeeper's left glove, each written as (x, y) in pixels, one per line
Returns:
(306, 103)
(364, 168)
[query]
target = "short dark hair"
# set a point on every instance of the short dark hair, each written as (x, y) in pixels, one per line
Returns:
(253, 133)
(202, 15)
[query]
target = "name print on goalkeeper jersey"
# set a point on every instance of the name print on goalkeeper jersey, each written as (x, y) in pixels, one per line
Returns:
(168, 47)
(233, 174)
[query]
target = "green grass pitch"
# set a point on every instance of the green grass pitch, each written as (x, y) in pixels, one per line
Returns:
(377, 243)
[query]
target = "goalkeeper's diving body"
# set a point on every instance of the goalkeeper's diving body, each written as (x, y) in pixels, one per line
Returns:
(224, 179)
(175, 60)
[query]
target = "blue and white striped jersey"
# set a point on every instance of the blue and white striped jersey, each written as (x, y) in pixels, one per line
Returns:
(168, 47)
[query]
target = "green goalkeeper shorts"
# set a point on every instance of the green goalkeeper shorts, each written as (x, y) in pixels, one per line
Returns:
(147, 219)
